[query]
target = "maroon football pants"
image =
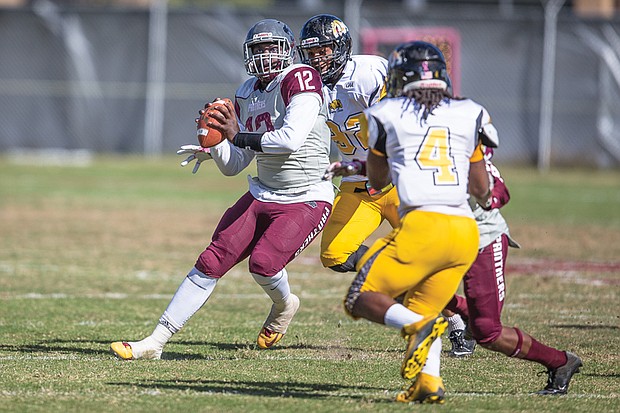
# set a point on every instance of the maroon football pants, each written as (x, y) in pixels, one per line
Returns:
(271, 234)
(485, 290)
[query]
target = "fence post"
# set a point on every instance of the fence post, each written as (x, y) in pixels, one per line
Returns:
(552, 8)
(156, 78)
(352, 18)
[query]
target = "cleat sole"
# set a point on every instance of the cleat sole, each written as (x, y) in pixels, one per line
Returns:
(417, 354)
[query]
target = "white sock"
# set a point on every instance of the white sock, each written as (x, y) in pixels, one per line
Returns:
(455, 323)
(160, 335)
(153, 343)
(191, 295)
(276, 287)
(398, 316)
(433, 361)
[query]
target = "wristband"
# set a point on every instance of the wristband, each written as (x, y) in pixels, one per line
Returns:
(248, 140)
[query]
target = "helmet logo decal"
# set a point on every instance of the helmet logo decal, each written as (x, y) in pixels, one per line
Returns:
(338, 28)
(310, 41)
(262, 36)
(426, 73)
(335, 105)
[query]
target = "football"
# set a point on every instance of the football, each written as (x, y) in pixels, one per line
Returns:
(207, 136)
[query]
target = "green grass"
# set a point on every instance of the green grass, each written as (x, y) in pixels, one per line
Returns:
(92, 255)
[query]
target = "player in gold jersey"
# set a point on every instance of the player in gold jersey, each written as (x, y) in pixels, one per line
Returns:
(352, 83)
(429, 145)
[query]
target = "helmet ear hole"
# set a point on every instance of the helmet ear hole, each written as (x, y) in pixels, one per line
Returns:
(326, 30)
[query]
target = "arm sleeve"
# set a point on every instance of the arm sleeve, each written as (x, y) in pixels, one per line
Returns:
(229, 159)
(300, 117)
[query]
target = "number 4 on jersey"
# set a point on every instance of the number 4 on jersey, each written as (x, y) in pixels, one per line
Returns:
(434, 155)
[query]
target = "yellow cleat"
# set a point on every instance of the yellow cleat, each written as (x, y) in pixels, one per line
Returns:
(420, 337)
(277, 322)
(267, 338)
(426, 389)
(134, 350)
(122, 350)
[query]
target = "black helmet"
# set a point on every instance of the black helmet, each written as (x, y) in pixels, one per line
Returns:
(326, 30)
(269, 31)
(416, 65)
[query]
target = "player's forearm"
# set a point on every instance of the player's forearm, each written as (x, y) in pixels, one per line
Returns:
(378, 171)
(479, 185)
(229, 159)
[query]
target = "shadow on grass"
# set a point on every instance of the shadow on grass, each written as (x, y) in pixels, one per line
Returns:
(52, 346)
(264, 389)
(102, 347)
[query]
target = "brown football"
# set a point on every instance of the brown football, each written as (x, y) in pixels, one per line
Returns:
(207, 136)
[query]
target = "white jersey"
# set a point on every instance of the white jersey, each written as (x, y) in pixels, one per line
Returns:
(292, 114)
(491, 224)
(429, 159)
(360, 86)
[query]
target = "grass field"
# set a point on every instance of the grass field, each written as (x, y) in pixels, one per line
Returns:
(91, 255)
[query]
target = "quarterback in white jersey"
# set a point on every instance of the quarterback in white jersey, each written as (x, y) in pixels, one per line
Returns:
(351, 85)
(279, 118)
(285, 129)
(427, 143)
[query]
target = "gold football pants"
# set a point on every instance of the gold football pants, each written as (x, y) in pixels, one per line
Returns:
(425, 259)
(355, 216)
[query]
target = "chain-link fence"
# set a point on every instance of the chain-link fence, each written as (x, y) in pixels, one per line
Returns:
(91, 78)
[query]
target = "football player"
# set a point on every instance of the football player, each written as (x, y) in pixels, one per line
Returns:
(426, 143)
(352, 83)
(279, 117)
(484, 287)
(419, 68)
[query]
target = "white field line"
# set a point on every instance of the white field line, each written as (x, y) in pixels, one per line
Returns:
(58, 357)
(124, 296)
(46, 393)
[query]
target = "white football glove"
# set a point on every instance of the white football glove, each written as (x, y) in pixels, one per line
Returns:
(196, 152)
(342, 169)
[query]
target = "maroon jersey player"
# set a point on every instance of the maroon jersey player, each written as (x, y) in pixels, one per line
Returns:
(485, 293)
(279, 119)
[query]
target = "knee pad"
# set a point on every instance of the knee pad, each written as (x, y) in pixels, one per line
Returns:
(484, 331)
(209, 265)
(262, 264)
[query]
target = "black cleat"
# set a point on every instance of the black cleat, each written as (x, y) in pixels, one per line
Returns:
(559, 379)
(461, 346)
